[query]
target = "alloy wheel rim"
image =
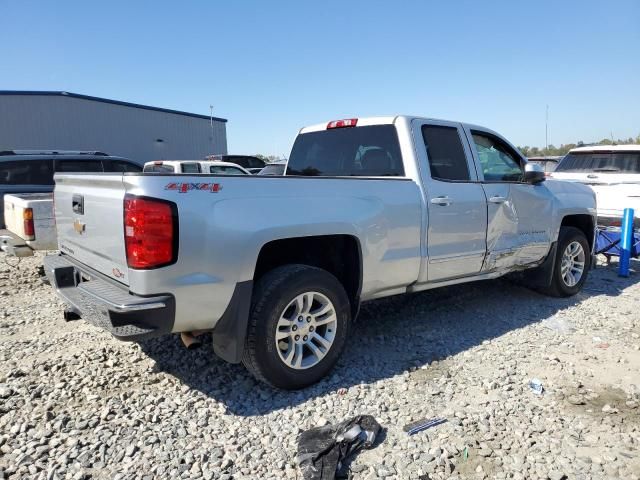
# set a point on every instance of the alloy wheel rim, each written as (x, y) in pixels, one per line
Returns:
(306, 330)
(572, 266)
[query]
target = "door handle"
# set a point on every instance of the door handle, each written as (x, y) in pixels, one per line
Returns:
(443, 201)
(498, 199)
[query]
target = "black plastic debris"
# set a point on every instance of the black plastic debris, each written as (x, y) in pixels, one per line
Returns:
(322, 450)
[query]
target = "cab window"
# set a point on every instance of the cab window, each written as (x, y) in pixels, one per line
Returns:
(498, 161)
(78, 166)
(447, 160)
(190, 167)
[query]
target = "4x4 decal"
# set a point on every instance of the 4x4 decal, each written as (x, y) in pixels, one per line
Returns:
(186, 187)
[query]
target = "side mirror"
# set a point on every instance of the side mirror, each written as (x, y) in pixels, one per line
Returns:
(533, 173)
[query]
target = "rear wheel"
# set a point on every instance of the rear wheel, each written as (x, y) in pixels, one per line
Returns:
(298, 326)
(572, 263)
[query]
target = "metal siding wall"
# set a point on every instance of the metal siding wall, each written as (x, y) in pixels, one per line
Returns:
(66, 123)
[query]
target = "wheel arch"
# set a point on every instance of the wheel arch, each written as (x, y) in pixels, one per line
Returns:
(583, 222)
(340, 255)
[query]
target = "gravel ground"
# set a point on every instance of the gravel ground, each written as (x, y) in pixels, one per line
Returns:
(76, 403)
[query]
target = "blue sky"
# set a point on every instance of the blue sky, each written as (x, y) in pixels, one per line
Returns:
(272, 67)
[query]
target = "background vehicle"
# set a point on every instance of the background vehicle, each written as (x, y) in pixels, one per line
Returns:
(613, 172)
(548, 164)
(194, 166)
(368, 208)
(224, 168)
(245, 161)
(276, 168)
(30, 224)
(30, 171)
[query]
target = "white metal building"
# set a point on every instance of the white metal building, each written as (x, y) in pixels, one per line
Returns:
(31, 120)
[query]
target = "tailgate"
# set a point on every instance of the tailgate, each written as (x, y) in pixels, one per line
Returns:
(13, 216)
(89, 218)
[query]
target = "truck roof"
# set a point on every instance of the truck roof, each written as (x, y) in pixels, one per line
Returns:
(606, 148)
(384, 120)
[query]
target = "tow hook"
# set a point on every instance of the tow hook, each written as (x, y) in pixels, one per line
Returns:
(70, 315)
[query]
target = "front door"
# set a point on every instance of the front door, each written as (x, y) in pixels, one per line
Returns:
(456, 203)
(518, 213)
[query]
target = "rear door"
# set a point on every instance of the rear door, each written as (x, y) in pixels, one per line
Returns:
(518, 213)
(456, 203)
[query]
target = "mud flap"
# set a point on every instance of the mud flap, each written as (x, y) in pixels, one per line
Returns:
(542, 275)
(230, 332)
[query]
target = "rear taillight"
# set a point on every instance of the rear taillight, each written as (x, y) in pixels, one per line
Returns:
(27, 220)
(150, 232)
(348, 122)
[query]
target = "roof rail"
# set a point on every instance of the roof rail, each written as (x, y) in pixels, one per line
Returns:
(54, 152)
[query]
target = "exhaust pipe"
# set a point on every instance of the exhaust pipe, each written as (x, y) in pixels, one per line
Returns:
(70, 314)
(190, 339)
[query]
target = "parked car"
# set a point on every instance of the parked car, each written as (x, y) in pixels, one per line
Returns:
(276, 168)
(613, 172)
(245, 161)
(548, 164)
(277, 268)
(194, 166)
(31, 171)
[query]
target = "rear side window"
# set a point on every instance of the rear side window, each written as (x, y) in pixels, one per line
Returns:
(447, 160)
(191, 167)
(26, 172)
(371, 151)
(158, 168)
(78, 166)
(622, 162)
(120, 166)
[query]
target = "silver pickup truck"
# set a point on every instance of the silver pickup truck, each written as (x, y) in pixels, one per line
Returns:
(277, 267)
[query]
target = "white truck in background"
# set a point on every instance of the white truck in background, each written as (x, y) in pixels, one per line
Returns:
(30, 224)
(612, 172)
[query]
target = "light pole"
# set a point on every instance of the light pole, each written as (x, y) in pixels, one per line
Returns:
(211, 119)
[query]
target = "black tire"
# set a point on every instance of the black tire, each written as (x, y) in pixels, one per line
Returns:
(559, 287)
(271, 296)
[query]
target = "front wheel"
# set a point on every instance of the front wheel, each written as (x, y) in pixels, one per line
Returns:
(572, 263)
(298, 327)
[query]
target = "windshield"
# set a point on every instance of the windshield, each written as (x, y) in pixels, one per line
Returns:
(226, 170)
(277, 169)
(613, 162)
(359, 151)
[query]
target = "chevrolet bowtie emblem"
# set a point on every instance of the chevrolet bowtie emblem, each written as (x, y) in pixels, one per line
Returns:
(79, 227)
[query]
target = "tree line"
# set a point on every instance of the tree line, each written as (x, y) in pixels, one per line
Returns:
(553, 151)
